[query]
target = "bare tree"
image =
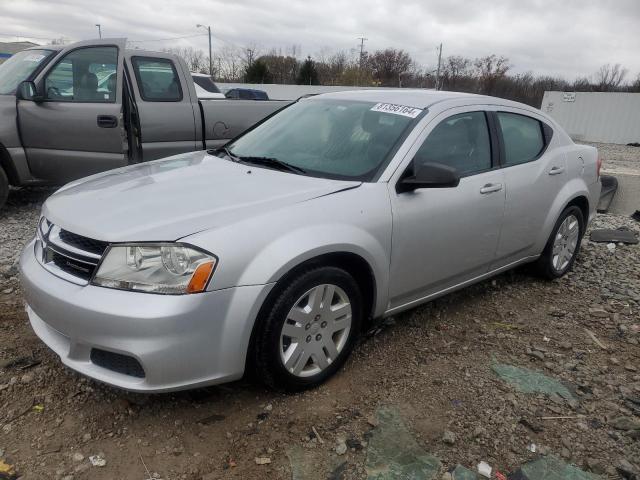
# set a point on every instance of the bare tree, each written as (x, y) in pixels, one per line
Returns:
(609, 77)
(489, 70)
(388, 65)
(455, 68)
(635, 86)
(196, 60)
(229, 64)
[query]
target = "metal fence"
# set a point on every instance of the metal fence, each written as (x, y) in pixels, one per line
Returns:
(293, 92)
(608, 117)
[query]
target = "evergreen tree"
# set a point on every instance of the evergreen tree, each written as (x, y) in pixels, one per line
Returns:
(257, 72)
(308, 74)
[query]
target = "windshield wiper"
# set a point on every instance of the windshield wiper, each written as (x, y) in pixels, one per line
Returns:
(273, 163)
(227, 152)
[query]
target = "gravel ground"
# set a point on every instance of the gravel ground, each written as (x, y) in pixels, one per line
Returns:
(432, 364)
(618, 158)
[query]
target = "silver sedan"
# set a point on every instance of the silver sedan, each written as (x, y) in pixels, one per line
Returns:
(273, 253)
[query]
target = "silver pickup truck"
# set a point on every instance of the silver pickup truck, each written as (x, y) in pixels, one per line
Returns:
(71, 111)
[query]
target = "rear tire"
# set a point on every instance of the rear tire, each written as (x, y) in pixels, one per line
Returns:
(307, 332)
(4, 188)
(563, 245)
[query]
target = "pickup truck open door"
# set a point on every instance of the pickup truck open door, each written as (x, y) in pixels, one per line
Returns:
(74, 126)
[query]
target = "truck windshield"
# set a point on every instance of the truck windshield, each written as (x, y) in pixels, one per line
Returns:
(19, 67)
(342, 139)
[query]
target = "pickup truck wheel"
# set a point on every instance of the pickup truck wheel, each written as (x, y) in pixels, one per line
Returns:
(310, 329)
(563, 245)
(4, 187)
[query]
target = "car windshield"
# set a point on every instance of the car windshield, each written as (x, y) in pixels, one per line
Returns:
(19, 67)
(330, 138)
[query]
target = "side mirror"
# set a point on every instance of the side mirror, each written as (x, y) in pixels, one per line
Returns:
(27, 90)
(428, 175)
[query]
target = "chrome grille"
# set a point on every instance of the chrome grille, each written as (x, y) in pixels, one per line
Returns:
(72, 266)
(83, 243)
(68, 255)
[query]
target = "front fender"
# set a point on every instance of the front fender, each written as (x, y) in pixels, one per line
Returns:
(261, 249)
(286, 252)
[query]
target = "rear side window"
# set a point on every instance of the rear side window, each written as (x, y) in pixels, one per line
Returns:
(246, 95)
(157, 79)
(461, 141)
(523, 138)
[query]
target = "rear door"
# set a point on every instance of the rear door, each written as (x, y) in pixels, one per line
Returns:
(78, 129)
(169, 116)
(534, 172)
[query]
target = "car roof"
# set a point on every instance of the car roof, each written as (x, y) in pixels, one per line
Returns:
(418, 98)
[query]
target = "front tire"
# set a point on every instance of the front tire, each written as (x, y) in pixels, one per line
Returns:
(309, 330)
(563, 245)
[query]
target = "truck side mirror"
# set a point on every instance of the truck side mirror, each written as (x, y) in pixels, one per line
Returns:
(27, 90)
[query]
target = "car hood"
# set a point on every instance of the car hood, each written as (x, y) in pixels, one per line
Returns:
(168, 199)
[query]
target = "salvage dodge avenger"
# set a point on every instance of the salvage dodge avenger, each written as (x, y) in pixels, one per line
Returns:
(272, 253)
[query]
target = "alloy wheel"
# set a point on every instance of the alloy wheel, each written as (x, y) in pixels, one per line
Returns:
(565, 243)
(316, 330)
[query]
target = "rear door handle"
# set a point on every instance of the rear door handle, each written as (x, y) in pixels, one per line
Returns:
(491, 187)
(556, 170)
(107, 121)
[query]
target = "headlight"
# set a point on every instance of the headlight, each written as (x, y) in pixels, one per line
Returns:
(168, 268)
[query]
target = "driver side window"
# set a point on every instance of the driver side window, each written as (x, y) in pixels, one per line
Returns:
(84, 75)
(460, 141)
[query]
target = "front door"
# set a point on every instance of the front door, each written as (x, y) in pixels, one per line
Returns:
(445, 236)
(77, 130)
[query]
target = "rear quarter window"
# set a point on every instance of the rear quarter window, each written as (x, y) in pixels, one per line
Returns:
(524, 138)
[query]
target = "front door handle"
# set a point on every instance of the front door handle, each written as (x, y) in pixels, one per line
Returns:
(491, 187)
(107, 121)
(556, 170)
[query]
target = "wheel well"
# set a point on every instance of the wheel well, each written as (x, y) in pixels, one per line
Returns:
(354, 264)
(7, 166)
(583, 204)
(357, 266)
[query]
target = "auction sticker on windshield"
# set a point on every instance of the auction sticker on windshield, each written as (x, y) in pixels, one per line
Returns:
(403, 110)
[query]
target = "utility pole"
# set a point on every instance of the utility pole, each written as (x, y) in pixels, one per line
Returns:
(99, 30)
(362, 52)
(208, 27)
(438, 71)
(362, 40)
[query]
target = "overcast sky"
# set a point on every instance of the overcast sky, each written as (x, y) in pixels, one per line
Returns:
(570, 38)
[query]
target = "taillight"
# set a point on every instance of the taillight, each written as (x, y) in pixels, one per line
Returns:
(598, 167)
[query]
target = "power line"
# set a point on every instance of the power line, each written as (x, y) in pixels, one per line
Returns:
(166, 39)
(24, 36)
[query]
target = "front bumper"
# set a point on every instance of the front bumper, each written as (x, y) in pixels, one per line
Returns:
(181, 341)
